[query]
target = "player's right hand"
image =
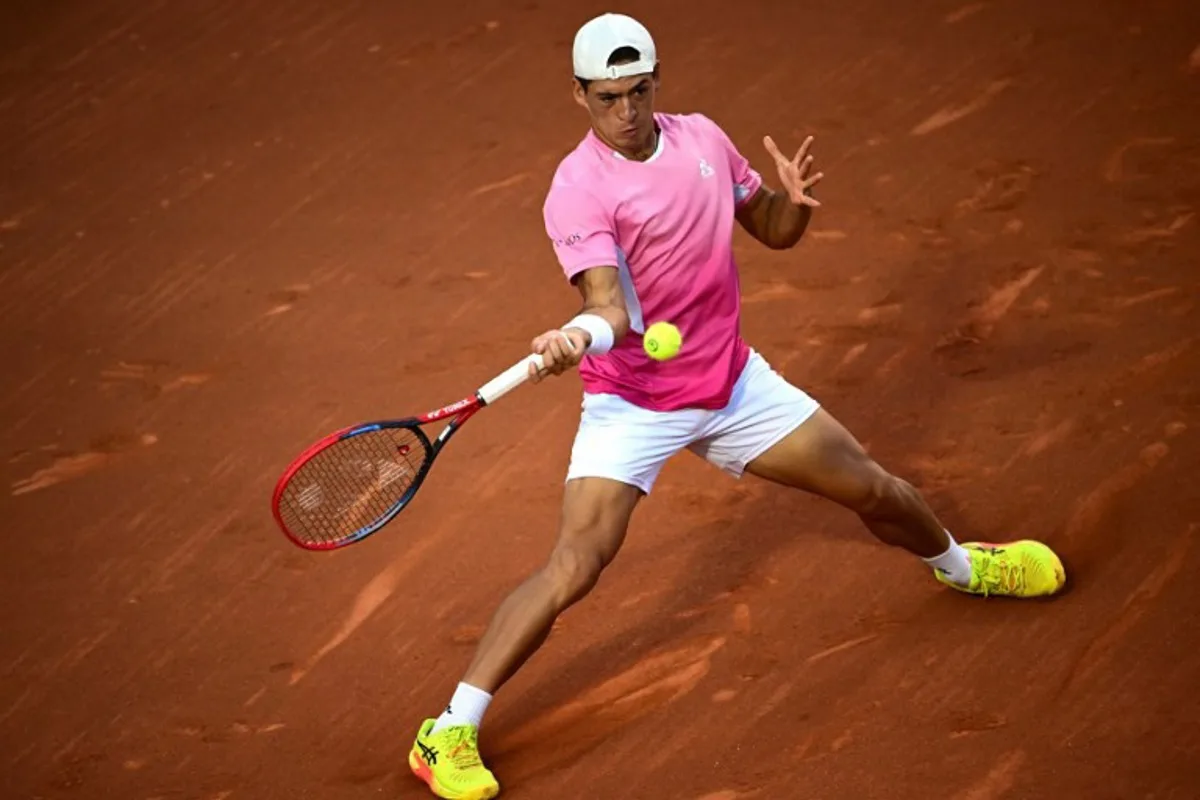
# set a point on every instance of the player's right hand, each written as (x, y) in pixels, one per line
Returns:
(560, 350)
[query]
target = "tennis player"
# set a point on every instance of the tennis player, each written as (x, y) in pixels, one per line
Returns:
(641, 216)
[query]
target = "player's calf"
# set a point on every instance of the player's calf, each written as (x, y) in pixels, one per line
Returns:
(894, 511)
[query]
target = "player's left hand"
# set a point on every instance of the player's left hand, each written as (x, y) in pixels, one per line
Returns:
(794, 173)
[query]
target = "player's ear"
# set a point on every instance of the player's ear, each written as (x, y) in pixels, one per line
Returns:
(579, 92)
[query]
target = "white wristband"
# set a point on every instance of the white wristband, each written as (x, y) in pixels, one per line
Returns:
(601, 332)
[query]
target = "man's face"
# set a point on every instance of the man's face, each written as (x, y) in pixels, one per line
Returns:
(622, 110)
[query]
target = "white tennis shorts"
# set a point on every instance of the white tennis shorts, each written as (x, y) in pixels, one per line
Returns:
(630, 444)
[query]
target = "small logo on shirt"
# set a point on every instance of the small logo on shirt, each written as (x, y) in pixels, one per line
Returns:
(706, 171)
(569, 241)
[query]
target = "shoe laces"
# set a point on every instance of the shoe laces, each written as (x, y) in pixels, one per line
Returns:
(998, 571)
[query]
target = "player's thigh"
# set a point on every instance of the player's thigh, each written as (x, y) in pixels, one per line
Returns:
(622, 442)
(618, 453)
(822, 457)
(763, 409)
(595, 518)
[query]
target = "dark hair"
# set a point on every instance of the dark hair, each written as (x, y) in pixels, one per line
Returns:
(622, 55)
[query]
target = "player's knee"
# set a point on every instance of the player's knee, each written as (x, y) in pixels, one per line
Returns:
(884, 496)
(594, 521)
(573, 570)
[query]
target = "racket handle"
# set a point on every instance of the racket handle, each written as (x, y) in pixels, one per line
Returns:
(508, 380)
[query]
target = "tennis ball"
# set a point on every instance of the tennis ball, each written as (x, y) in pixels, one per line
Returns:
(662, 341)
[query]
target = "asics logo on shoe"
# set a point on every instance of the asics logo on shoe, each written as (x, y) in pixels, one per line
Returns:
(429, 754)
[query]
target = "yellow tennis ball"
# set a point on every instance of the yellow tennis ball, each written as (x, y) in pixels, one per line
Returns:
(662, 341)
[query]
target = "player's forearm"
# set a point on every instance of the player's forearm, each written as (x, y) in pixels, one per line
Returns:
(786, 222)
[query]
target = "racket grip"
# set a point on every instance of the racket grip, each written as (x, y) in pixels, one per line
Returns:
(508, 380)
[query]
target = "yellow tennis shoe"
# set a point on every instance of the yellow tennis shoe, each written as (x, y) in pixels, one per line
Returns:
(1015, 569)
(449, 762)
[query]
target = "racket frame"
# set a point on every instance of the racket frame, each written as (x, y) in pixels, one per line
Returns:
(460, 411)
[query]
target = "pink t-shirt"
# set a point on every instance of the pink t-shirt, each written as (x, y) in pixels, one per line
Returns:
(667, 225)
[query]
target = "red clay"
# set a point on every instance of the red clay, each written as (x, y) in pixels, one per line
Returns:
(227, 231)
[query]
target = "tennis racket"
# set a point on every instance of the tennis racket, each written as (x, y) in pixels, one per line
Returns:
(354, 481)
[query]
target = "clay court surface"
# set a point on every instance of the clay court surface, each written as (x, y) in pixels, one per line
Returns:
(228, 230)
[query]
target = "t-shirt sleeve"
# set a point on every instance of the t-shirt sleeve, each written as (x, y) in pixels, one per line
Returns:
(746, 180)
(580, 228)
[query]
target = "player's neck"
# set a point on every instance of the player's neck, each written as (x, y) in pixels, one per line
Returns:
(641, 152)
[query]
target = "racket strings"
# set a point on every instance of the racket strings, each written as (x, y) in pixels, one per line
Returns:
(351, 484)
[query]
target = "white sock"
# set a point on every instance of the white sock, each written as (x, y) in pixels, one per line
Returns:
(955, 564)
(466, 708)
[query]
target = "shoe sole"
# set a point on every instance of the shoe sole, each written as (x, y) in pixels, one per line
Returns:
(422, 771)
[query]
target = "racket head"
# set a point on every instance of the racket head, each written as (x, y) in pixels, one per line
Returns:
(351, 483)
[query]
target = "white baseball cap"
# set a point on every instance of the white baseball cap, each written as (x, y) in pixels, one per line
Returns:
(600, 37)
